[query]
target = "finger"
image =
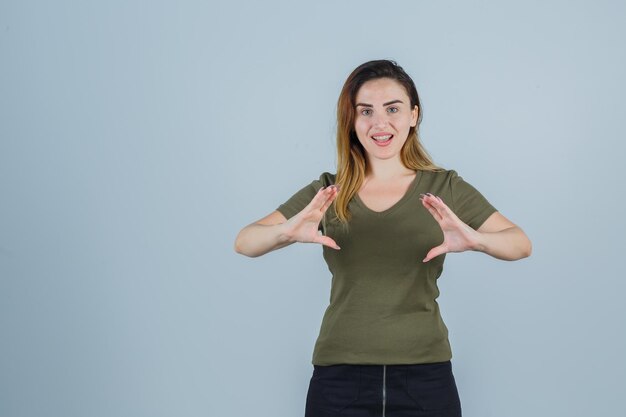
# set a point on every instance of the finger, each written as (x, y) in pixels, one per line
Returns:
(320, 198)
(438, 217)
(431, 209)
(434, 252)
(437, 203)
(330, 199)
(441, 205)
(326, 241)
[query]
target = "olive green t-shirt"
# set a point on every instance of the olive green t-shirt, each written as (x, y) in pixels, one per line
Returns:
(383, 307)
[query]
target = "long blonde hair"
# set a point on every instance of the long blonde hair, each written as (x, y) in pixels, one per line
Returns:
(351, 160)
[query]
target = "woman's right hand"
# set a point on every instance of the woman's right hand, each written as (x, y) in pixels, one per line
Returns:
(303, 227)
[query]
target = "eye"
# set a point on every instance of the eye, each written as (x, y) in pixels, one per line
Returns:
(393, 108)
(363, 112)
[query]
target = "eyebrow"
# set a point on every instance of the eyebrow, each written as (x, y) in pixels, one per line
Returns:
(384, 104)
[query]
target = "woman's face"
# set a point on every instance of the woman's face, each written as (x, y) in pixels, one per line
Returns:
(383, 117)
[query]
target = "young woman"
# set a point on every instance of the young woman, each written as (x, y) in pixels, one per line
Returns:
(386, 219)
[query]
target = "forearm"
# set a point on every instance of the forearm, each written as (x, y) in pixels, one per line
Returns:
(258, 239)
(509, 244)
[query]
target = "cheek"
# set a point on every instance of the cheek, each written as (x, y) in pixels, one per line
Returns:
(403, 124)
(361, 127)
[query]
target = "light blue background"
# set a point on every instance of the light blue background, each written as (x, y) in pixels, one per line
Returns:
(138, 138)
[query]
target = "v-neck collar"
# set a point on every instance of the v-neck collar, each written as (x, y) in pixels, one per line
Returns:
(398, 204)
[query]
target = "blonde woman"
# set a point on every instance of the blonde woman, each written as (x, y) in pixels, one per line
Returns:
(386, 221)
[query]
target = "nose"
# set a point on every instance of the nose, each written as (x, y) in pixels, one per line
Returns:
(380, 120)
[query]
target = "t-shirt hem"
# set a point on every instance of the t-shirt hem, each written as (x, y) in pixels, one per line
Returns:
(285, 211)
(483, 217)
(442, 357)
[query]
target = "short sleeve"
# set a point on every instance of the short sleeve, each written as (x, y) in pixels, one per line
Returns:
(468, 203)
(303, 197)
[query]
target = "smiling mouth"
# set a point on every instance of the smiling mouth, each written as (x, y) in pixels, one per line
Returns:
(382, 138)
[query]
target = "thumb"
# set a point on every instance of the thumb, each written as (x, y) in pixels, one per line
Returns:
(434, 252)
(326, 241)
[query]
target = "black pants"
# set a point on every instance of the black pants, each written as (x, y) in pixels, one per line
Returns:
(421, 390)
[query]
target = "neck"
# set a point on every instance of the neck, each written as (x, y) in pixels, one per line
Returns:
(386, 169)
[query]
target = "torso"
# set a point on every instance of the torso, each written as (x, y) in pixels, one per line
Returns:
(379, 196)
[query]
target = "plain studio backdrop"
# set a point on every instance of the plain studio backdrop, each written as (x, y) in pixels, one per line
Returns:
(138, 137)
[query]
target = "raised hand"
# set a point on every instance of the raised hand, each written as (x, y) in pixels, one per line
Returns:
(457, 236)
(303, 227)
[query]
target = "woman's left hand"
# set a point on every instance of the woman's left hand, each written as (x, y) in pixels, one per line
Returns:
(457, 236)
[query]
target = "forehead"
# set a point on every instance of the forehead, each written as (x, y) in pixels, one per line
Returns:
(381, 89)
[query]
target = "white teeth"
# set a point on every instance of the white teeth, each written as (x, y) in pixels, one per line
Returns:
(382, 138)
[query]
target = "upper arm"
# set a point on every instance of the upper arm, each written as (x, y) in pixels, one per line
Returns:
(275, 217)
(495, 223)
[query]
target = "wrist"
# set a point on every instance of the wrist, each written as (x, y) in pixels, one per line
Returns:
(479, 243)
(284, 233)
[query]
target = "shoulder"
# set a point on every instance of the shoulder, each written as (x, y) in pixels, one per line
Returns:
(326, 179)
(445, 181)
(439, 176)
